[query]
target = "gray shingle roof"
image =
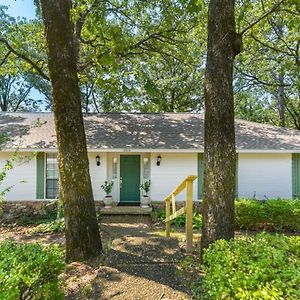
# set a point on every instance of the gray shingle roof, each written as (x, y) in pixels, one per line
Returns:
(142, 131)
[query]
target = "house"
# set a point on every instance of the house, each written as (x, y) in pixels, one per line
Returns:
(130, 148)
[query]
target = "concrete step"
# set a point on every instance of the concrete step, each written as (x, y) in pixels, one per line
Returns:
(126, 210)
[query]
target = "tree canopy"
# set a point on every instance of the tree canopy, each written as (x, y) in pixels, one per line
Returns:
(150, 57)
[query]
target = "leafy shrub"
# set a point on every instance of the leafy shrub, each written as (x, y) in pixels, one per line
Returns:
(248, 214)
(180, 221)
(145, 186)
(55, 226)
(107, 187)
(282, 214)
(275, 214)
(30, 271)
(260, 267)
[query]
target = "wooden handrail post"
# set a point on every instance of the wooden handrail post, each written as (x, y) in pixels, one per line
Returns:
(168, 223)
(189, 216)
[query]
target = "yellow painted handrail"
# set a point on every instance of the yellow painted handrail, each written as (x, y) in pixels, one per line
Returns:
(180, 187)
(187, 184)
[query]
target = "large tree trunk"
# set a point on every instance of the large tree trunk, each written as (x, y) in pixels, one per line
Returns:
(219, 140)
(82, 233)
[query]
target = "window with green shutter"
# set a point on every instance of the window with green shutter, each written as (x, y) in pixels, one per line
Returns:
(200, 174)
(40, 175)
(52, 188)
(296, 174)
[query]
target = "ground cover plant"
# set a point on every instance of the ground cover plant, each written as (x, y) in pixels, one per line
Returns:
(180, 221)
(254, 267)
(30, 271)
(53, 225)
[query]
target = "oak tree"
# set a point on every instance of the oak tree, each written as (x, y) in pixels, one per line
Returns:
(81, 229)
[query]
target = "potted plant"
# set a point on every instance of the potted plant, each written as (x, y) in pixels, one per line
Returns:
(108, 199)
(145, 187)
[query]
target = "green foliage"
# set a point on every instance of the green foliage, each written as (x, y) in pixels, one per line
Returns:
(248, 214)
(275, 214)
(149, 56)
(59, 209)
(180, 221)
(107, 187)
(272, 215)
(55, 226)
(145, 186)
(52, 226)
(271, 42)
(17, 77)
(3, 171)
(260, 267)
(30, 271)
(191, 270)
(142, 56)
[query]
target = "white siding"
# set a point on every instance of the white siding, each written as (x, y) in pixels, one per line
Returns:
(98, 173)
(173, 169)
(22, 177)
(265, 175)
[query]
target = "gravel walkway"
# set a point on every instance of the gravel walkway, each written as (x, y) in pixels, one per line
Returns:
(139, 264)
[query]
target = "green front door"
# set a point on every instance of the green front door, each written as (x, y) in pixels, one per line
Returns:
(129, 180)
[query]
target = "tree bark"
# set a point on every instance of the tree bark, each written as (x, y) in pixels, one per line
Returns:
(223, 45)
(82, 233)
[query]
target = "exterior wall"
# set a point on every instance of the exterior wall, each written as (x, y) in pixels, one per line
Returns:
(265, 175)
(173, 169)
(22, 177)
(98, 173)
(262, 174)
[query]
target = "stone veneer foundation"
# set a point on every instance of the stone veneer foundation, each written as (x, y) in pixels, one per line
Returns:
(13, 210)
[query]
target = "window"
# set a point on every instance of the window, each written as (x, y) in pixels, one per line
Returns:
(146, 168)
(51, 176)
(115, 168)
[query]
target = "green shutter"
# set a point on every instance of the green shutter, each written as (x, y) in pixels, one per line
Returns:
(40, 175)
(237, 176)
(296, 175)
(200, 174)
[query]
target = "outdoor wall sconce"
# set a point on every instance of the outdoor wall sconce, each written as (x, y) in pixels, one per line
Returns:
(158, 160)
(115, 160)
(98, 160)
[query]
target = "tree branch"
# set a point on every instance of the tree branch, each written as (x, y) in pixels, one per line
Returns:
(270, 46)
(272, 9)
(24, 57)
(5, 58)
(256, 79)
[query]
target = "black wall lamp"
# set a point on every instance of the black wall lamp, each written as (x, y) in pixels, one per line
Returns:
(98, 160)
(158, 160)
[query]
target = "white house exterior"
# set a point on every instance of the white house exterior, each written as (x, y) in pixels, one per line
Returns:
(128, 146)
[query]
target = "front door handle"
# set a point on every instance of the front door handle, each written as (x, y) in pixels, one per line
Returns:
(121, 181)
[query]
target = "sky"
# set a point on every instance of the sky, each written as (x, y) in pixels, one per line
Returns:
(20, 8)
